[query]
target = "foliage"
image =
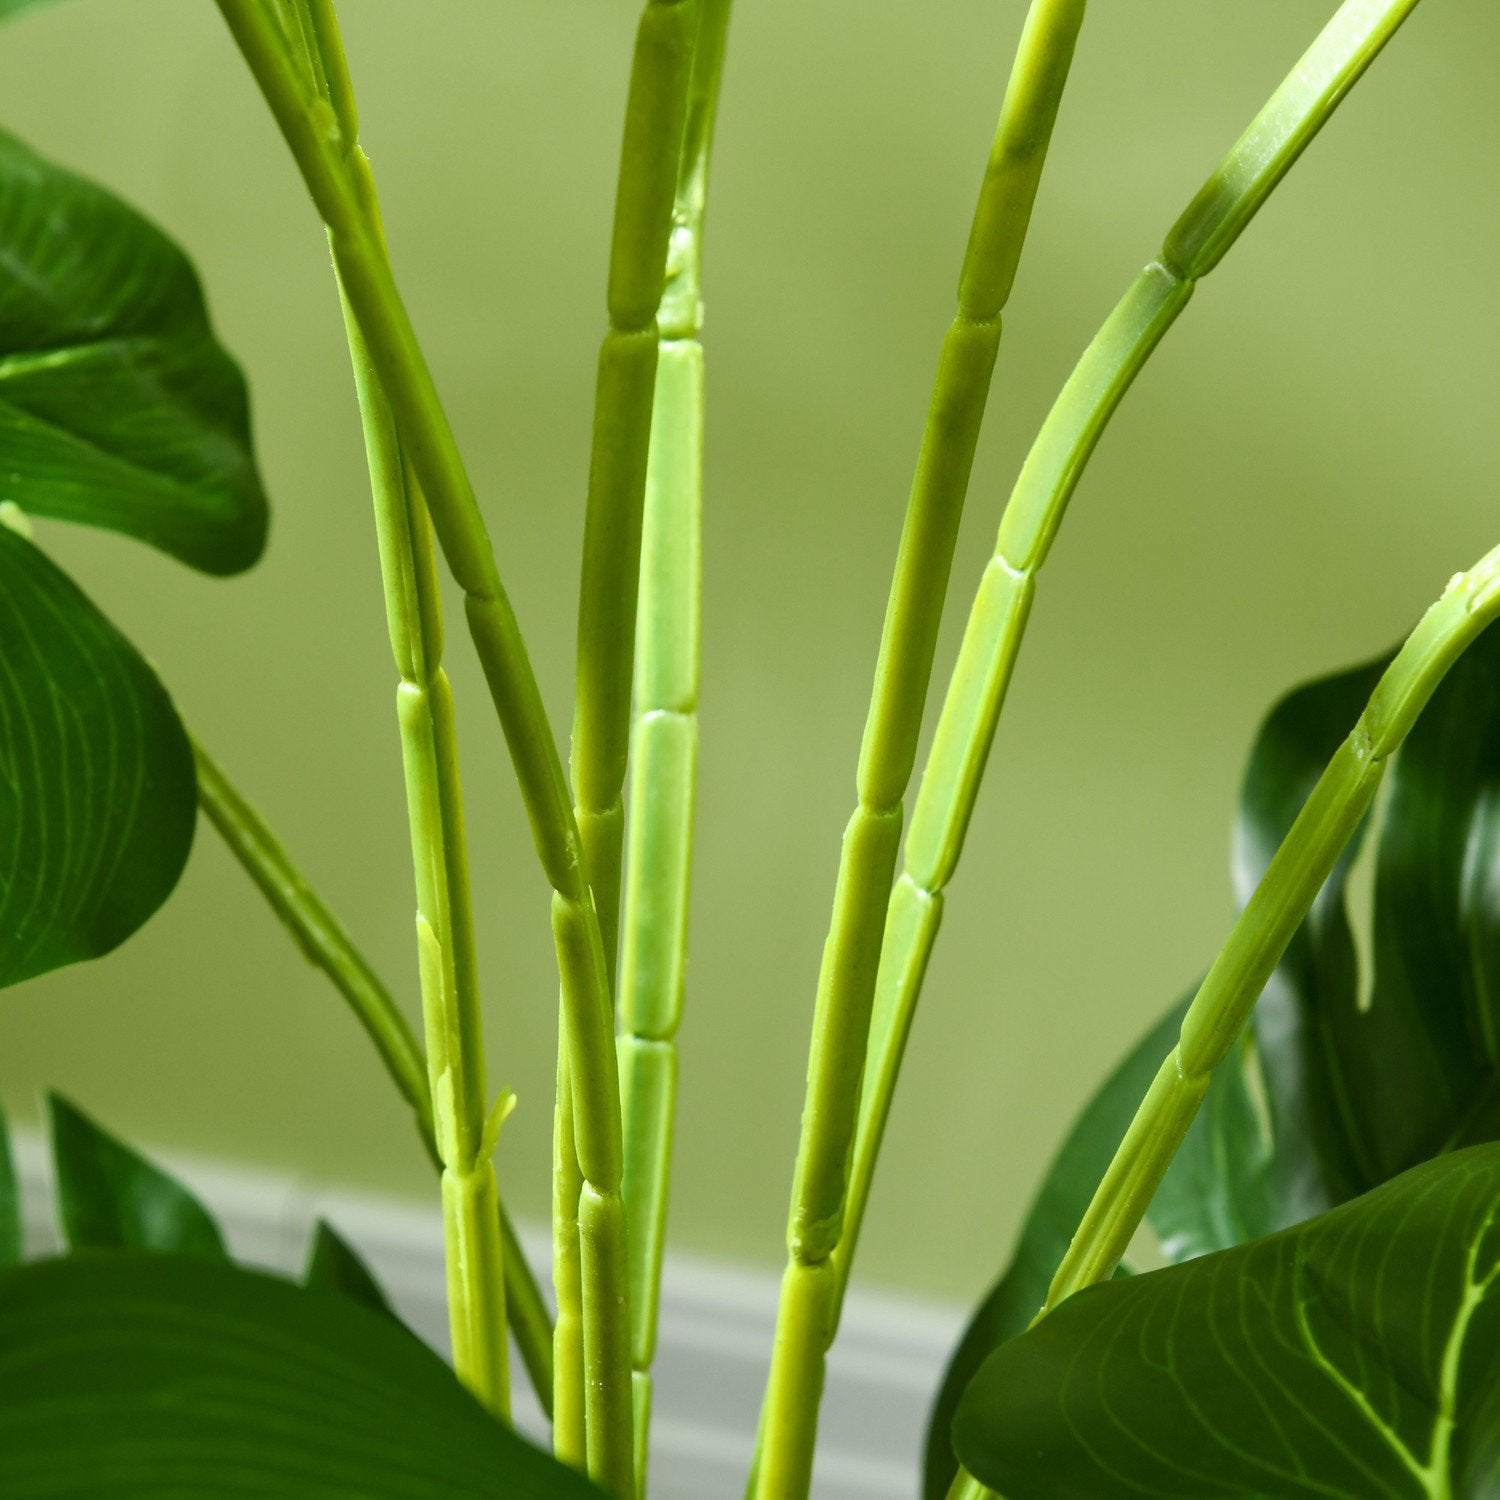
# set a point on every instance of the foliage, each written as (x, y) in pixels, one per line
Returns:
(1329, 1327)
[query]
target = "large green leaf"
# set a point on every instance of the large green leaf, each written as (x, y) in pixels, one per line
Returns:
(97, 790)
(109, 1197)
(153, 1377)
(117, 406)
(1356, 1355)
(1054, 1214)
(10, 1201)
(1298, 1119)
(334, 1265)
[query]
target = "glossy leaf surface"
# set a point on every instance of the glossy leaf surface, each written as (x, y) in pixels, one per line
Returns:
(334, 1265)
(109, 1197)
(1298, 1118)
(118, 408)
(138, 1377)
(1353, 1355)
(97, 790)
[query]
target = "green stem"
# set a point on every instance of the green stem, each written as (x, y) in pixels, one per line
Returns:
(655, 112)
(1258, 939)
(966, 1487)
(318, 933)
(665, 735)
(447, 960)
(846, 985)
(445, 931)
(339, 183)
(992, 641)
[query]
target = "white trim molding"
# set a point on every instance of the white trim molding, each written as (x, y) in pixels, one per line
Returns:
(716, 1321)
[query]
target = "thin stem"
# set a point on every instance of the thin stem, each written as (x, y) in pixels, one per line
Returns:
(1271, 917)
(665, 736)
(655, 112)
(322, 939)
(846, 985)
(317, 932)
(997, 623)
(339, 182)
(445, 934)
(966, 1487)
(447, 960)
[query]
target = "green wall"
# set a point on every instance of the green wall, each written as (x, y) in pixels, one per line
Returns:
(1309, 457)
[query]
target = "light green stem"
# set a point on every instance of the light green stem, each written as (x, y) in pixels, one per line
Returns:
(447, 962)
(846, 985)
(445, 931)
(1271, 917)
(337, 179)
(318, 933)
(997, 622)
(966, 1487)
(655, 112)
(665, 736)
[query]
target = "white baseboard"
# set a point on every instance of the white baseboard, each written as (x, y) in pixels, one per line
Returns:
(715, 1338)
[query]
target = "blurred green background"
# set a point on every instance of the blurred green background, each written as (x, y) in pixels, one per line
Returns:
(1310, 456)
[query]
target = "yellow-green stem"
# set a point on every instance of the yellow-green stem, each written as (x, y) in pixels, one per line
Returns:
(811, 1287)
(1275, 910)
(321, 937)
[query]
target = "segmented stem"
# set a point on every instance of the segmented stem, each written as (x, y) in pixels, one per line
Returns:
(339, 184)
(655, 111)
(1271, 917)
(665, 736)
(322, 939)
(445, 924)
(810, 1289)
(976, 692)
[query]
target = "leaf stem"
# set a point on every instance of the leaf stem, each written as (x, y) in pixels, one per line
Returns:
(665, 735)
(655, 113)
(325, 943)
(997, 622)
(339, 182)
(1258, 939)
(811, 1289)
(317, 932)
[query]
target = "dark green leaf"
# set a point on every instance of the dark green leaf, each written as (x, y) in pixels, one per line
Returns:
(117, 406)
(97, 790)
(335, 1266)
(1355, 1355)
(150, 1377)
(111, 1198)
(10, 1201)
(1054, 1214)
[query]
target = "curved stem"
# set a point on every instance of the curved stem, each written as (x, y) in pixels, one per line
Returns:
(992, 641)
(810, 1290)
(318, 131)
(1275, 910)
(323, 940)
(317, 932)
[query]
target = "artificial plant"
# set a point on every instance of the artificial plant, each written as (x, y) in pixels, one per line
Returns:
(1319, 1158)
